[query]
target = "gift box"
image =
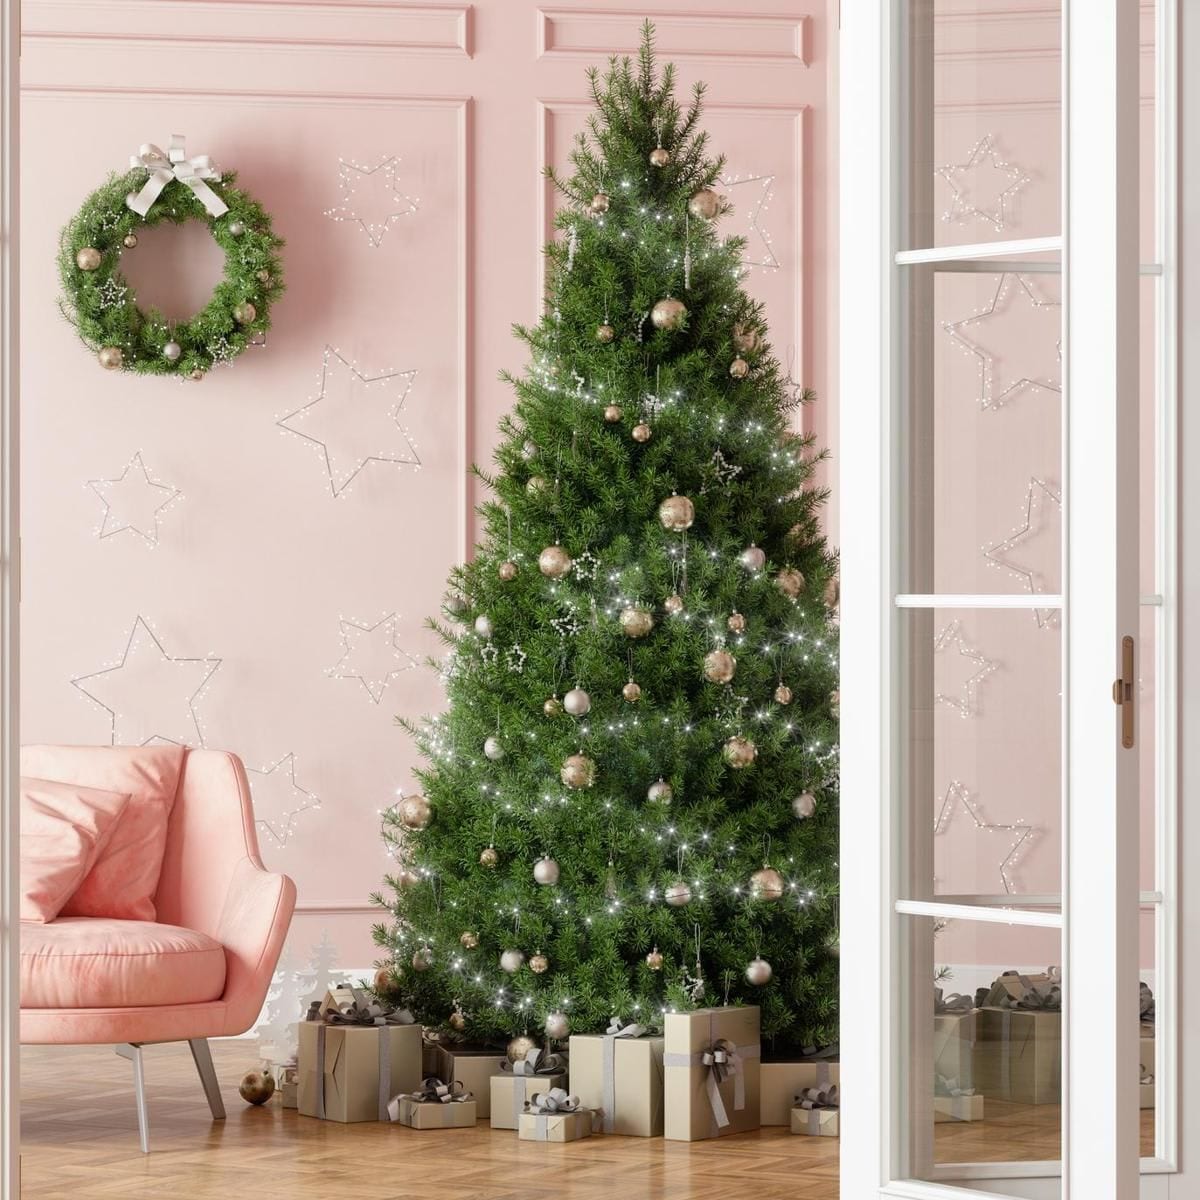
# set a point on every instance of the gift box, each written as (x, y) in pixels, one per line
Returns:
(1146, 1068)
(472, 1066)
(710, 1072)
(963, 1107)
(815, 1122)
(435, 1105)
(554, 1116)
(520, 1082)
(350, 1066)
(1018, 1046)
(954, 1024)
(620, 1073)
(778, 1083)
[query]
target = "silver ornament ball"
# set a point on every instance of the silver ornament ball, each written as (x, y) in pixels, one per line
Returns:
(678, 894)
(753, 558)
(673, 604)
(519, 1047)
(529, 450)
(739, 752)
(804, 805)
(557, 1026)
(111, 358)
(577, 702)
(758, 972)
(511, 961)
(668, 313)
(766, 884)
(739, 368)
(483, 625)
(545, 871)
(660, 792)
(172, 351)
(535, 483)
(493, 748)
(237, 228)
(554, 562)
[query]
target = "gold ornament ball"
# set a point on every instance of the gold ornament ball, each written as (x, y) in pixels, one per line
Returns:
(557, 1026)
(111, 358)
(263, 277)
(195, 374)
(746, 338)
(519, 1047)
(422, 959)
(535, 483)
(739, 368)
(719, 666)
(488, 857)
(554, 562)
(705, 204)
(605, 333)
(384, 980)
(129, 241)
(406, 879)
(257, 1087)
(244, 313)
(552, 707)
(507, 571)
(458, 1021)
(636, 622)
(468, 939)
(758, 972)
(640, 432)
(539, 964)
(678, 894)
(676, 513)
(668, 313)
(654, 960)
(88, 258)
(790, 582)
(795, 535)
(612, 413)
(493, 748)
(659, 156)
(739, 752)
(578, 772)
(673, 604)
(660, 792)
(783, 694)
(736, 623)
(766, 884)
(753, 558)
(414, 812)
(835, 703)
(599, 203)
(832, 592)
(632, 691)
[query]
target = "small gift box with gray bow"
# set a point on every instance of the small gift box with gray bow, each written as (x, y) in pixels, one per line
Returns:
(434, 1105)
(1018, 1048)
(710, 1072)
(472, 1066)
(779, 1083)
(555, 1116)
(954, 1022)
(815, 1112)
(520, 1082)
(620, 1072)
(953, 1102)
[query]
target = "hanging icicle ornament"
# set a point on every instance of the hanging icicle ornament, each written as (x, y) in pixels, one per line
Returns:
(611, 891)
(572, 246)
(687, 253)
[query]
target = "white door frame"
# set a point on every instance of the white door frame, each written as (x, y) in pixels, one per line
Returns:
(1099, 918)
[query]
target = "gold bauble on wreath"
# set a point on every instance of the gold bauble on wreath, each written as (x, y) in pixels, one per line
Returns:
(257, 1087)
(244, 313)
(676, 513)
(636, 622)
(88, 258)
(111, 358)
(705, 204)
(668, 313)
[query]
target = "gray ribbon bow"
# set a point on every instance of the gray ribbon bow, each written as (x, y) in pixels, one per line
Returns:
(950, 1087)
(432, 1091)
(815, 1101)
(722, 1060)
(956, 1002)
(536, 1062)
(1146, 1004)
(1035, 998)
(555, 1102)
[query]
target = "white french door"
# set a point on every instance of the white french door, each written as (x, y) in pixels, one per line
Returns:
(989, 280)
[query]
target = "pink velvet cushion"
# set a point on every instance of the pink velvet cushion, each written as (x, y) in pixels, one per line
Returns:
(63, 829)
(124, 878)
(94, 962)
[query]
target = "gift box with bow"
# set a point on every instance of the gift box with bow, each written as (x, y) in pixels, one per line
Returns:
(434, 1105)
(1018, 1048)
(710, 1072)
(954, 1035)
(815, 1112)
(354, 1056)
(780, 1082)
(555, 1116)
(954, 1102)
(620, 1072)
(472, 1066)
(520, 1082)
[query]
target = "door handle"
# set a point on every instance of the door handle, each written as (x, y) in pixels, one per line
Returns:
(1122, 692)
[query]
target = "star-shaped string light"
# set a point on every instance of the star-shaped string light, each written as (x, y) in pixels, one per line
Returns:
(585, 564)
(1027, 327)
(719, 472)
(354, 420)
(372, 198)
(957, 796)
(133, 502)
(150, 695)
(279, 800)
(758, 188)
(984, 187)
(111, 292)
(372, 654)
(966, 703)
(1042, 507)
(221, 352)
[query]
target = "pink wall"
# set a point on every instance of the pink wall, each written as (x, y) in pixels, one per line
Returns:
(256, 563)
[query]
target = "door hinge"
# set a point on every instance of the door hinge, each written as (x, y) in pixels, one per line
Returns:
(1122, 692)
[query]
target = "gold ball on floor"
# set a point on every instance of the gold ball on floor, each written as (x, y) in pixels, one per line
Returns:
(257, 1087)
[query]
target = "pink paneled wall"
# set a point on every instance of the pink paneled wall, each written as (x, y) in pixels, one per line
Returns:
(314, 603)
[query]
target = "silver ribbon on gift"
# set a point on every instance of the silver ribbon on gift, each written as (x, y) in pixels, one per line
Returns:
(555, 1102)
(956, 1002)
(609, 1073)
(536, 1062)
(722, 1060)
(196, 173)
(815, 1101)
(950, 1087)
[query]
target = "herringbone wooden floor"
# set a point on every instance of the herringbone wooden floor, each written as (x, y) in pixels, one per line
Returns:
(79, 1140)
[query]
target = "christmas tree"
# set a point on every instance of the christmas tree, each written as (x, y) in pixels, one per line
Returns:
(630, 804)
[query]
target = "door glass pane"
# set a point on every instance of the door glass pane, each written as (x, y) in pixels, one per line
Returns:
(982, 750)
(1153, 1014)
(985, 103)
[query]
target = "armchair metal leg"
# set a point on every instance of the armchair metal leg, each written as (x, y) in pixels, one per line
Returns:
(208, 1076)
(133, 1052)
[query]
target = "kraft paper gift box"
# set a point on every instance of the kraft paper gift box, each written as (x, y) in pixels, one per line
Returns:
(1018, 1047)
(555, 1127)
(778, 1083)
(954, 1024)
(620, 1074)
(710, 1072)
(815, 1122)
(429, 1114)
(957, 1108)
(519, 1082)
(472, 1066)
(1146, 1067)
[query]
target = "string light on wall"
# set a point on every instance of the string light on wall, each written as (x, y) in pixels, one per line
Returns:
(1041, 510)
(150, 695)
(966, 701)
(1019, 832)
(354, 420)
(277, 794)
(760, 190)
(355, 178)
(133, 502)
(372, 654)
(968, 186)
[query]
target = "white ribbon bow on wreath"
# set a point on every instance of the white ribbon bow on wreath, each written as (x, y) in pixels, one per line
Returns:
(175, 164)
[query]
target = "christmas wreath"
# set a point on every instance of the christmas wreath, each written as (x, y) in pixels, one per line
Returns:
(100, 303)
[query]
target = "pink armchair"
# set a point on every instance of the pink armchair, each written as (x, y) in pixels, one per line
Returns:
(202, 969)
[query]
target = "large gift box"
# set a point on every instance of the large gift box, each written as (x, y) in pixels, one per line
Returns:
(1018, 1047)
(621, 1074)
(472, 1066)
(779, 1082)
(710, 1072)
(536, 1074)
(554, 1116)
(434, 1105)
(353, 1059)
